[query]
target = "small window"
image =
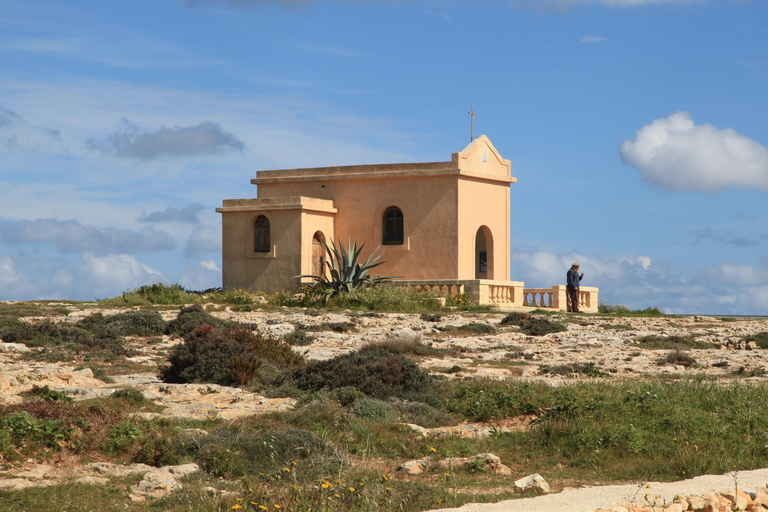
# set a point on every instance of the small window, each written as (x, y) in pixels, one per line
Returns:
(261, 235)
(393, 226)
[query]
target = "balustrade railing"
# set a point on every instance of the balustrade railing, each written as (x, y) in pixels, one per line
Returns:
(482, 291)
(557, 298)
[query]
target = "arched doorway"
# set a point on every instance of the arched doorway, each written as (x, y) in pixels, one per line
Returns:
(318, 253)
(483, 253)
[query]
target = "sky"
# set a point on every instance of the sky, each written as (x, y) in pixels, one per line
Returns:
(636, 129)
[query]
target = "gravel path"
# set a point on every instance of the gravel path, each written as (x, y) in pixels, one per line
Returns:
(587, 499)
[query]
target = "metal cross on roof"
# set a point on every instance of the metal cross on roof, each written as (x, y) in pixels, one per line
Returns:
(472, 115)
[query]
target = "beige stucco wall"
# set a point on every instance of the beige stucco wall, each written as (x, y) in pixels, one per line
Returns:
(429, 206)
(483, 205)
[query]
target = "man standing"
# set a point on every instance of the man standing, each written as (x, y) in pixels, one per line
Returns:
(573, 279)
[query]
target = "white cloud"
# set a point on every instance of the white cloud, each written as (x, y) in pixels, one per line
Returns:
(69, 236)
(210, 265)
(108, 276)
(592, 39)
(18, 133)
(131, 141)
(186, 215)
(204, 239)
(674, 153)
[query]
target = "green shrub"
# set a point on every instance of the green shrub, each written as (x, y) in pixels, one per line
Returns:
(401, 346)
(236, 452)
(129, 323)
(538, 326)
(123, 436)
(226, 356)
(378, 374)
(156, 293)
(423, 414)
(132, 395)
(47, 393)
(655, 341)
(299, 338)
(374, 410)
(192, 318)
(515, 318)
(340, 326)
(104, 344)
(589, 369)
(618, 310)
(475, 328)
(678, 357)
(485, 400)
(346, 395)
(460, 300)
(160, 450)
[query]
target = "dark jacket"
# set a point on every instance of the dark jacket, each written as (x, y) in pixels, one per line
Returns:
(573, 279)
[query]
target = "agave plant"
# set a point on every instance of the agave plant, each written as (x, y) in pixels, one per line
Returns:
(342, 271)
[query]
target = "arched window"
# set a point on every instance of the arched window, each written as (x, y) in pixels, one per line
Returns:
(393, 227)
(261, 235)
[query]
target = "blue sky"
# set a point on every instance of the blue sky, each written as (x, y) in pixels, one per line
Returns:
(636, 128)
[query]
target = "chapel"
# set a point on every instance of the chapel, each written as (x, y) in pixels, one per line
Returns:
(434, 222)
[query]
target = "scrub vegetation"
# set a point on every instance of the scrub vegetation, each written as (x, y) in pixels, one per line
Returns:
(339, 448)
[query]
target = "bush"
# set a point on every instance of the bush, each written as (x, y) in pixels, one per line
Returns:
(678, 357)
(538, 326)
(132, 395)
(156, 293)
(589, 369)
(47, 393)
(129, 323)
(655, 341)
(378, 374)
(423, 415)
(123, 436)
(515, 318)
(191, 318)
(226, 356)
(105, 343)
(532, 325)
(299, 338)
(374, 410)
(233, 452)
(401, 346)
(475, 328)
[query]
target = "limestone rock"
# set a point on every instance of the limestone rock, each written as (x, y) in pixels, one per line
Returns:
(92, 480)
(14, 347)
(414, 467)
(405, 334)
(534, 481)
(157, 482)
(492, 461)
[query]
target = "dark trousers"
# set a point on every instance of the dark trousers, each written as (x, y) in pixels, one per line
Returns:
(573, 293)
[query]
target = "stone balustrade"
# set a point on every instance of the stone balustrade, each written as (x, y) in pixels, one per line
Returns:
(482, 291)
(557, 298)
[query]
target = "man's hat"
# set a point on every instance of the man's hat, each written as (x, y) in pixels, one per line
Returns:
(575, 265)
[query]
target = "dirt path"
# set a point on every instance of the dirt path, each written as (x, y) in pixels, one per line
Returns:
(587, 499)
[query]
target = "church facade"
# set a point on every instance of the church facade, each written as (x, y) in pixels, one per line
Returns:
(434, 221)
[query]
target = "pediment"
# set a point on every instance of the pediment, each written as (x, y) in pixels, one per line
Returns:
(480, 157)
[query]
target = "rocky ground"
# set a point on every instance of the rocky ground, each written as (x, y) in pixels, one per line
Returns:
(609, 345)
